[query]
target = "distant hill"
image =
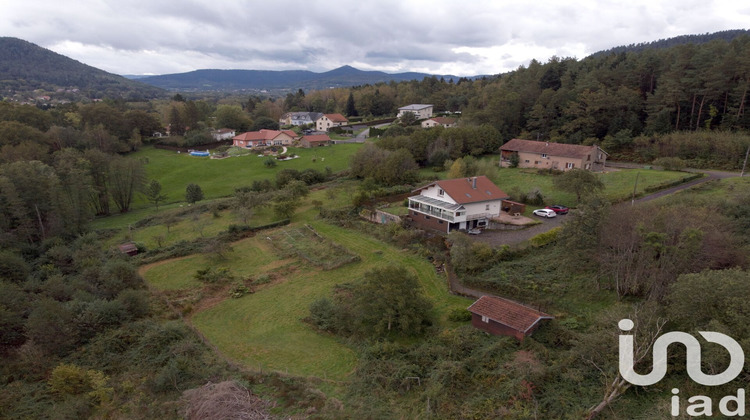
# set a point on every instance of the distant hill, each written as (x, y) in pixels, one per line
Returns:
(226, 80)
(678, 40)
(27, 68)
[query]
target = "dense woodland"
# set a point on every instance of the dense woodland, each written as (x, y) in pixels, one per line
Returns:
(81, 336)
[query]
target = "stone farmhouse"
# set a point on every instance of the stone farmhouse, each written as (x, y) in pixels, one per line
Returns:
(546, 155)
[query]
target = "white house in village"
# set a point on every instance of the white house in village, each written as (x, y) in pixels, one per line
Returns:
(446, 122)
(328, 121)
(461, 203)
(223, 134)
(299, 118)
(421, 111)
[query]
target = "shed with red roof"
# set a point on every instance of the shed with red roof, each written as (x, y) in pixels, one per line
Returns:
(499, 316)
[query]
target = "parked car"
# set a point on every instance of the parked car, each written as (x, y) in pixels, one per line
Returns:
(558, 209)
(474, 231)
(544, 213)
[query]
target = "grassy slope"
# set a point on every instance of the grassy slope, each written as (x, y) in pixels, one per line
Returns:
(266, 329)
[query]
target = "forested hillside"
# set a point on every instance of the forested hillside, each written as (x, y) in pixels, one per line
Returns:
(82, 336)
(26, 68)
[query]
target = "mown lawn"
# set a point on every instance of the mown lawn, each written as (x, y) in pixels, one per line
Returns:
(219, 177)
(265, 329)
(618, 183)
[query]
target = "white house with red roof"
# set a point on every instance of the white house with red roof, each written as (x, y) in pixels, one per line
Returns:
(446, 122)
(328, 121)
(461, 203)
(265, 137)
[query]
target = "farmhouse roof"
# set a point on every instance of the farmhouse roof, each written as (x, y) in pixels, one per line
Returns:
(336, 117)
(469, 190)
(551, 149)
(519, 317)
(414, 107)
(263, 135)
(317, 137)
(443, 120)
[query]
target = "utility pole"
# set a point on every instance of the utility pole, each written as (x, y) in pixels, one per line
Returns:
(632, 202)
(745, 164)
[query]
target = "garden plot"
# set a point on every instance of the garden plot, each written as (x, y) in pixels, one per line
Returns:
(304, 242)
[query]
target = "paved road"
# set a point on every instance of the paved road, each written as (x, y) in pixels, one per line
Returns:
(514, 237)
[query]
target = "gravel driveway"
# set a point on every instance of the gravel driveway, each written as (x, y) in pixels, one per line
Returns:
(512, 237)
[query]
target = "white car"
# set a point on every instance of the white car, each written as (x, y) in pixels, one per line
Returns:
(544, 213)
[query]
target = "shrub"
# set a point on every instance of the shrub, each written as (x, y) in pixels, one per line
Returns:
(213, 275)
(670, 163)
(545, 238)
(459, 315)
(238, 290)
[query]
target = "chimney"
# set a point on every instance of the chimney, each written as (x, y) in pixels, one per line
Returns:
(474, 183)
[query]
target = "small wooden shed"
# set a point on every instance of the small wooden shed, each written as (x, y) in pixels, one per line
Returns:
(128, 248)
(499, 316)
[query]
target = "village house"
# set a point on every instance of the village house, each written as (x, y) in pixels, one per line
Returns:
(223, 134)
(328, 121)
(446, 122)
(299, 118)
(546, 155)
(265, 138)
(462, 203)
(499, 316)
(315, 140)
(421, 111)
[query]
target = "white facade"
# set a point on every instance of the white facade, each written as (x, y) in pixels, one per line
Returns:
(435, 202)
(421, 111)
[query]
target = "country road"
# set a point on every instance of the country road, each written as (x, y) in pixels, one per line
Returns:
(514, 237)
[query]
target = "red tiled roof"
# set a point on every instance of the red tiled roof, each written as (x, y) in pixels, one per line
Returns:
(317, 137)
(463, 190)
(551, 149)
(263, 135)
(336, 117)
(444, 120)
(517, 316)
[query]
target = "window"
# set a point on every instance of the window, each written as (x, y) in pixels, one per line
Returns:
(527, 161)
(588, 157)
(440, 221)
(485, 319)
(544, 155)
(569, 165)
(441, 192)
(487, 207)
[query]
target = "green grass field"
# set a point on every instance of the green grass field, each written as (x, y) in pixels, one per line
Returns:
(219, 177)
(265, 329)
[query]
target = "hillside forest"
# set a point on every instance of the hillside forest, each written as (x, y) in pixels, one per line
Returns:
(82, 334)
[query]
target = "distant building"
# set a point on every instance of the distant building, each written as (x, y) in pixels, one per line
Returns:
(315, 140)
(299, 118)
(462, 203)
(223, 134)
(546, 155)
(421, 111)
(435, 121)
(265, 137)
(499, 316)
(328, 121)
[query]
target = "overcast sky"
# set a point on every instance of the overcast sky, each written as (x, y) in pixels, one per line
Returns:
(463, 38)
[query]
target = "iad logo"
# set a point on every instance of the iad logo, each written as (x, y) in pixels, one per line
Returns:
(702, 404)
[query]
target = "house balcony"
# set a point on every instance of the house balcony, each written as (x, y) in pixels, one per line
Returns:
(437, 208)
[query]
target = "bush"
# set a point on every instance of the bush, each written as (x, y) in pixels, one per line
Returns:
(459, 315)
(238, 290)
(213, 275)
(545, 238)
(670, 163)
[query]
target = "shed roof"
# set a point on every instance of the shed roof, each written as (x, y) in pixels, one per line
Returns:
(519, 317)
(336, 117)
(316, 137)
(551, 149)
